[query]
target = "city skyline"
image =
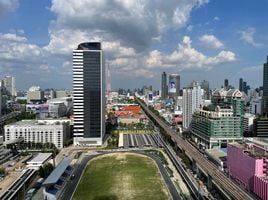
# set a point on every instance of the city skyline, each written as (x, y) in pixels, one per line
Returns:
(140, 40)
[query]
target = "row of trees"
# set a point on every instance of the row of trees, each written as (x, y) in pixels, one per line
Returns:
(21, 116)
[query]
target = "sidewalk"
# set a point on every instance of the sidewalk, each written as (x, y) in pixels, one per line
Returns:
(177, 177)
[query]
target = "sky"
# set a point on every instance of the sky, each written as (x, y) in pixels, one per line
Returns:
(198, 39)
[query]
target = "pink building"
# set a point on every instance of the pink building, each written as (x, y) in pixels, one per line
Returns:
(247, 163)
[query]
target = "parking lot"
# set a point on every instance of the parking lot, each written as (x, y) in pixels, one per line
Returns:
(140, 141)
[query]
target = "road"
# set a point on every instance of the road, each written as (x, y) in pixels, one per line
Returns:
(70, 187)
(169, 184)
(233, 190)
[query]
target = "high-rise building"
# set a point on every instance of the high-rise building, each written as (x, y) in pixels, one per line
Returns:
(205, 87)
(191, 100)
(241, 85)
(9, 83)
(164, 86)
(0, 101)
(174, 86)
(88, 94)
(226, 83)
(265, 88)
(245, 87)
(221, 122)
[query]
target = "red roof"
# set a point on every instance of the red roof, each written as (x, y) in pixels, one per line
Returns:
(178, 119)
(131, 108)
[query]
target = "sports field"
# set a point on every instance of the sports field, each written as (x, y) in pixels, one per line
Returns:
(121, 176)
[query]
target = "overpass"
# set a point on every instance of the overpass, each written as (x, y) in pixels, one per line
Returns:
(231, 189)
(6, 117)
(17, 189)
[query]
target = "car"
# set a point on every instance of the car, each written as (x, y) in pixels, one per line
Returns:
(72, 177)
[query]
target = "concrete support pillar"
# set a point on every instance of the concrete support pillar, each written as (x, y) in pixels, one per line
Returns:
(209, 182)
(195, 169)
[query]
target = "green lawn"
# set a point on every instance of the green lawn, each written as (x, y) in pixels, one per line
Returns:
(121, 176)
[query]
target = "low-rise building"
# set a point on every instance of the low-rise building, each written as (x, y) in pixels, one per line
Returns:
(248, 124)
(39, 160)
(260, 127)
(247, 163)
(35, 94)
(54, 131)
(55, 182)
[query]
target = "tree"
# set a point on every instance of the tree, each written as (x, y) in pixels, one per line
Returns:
(2, 171)
(45, 170)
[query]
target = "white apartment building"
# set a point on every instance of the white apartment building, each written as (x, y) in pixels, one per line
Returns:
(39, 131)
(248, 120)
(192, 98)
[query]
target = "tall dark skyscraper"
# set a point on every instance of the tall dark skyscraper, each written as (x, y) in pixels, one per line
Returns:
(241, 85)
(265, 87)
(226, 83)
(89, 94)
(174, 86)
(164, 86)
(205, 87)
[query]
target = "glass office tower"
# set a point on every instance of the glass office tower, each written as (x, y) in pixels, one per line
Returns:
(89, 94)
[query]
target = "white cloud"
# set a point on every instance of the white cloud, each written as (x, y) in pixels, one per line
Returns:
(216, 18)
(211, 41)
(11, 37)
(186, 57)
(8, 6)
(131, 22)
(126, 28)
(248, 36)
(17, 48)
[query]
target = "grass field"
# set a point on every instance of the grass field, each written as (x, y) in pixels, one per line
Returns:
(121, 176)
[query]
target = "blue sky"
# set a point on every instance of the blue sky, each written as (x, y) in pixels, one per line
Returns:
(199, 39)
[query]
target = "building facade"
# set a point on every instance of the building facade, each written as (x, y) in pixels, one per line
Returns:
(241, 85)
(226, 83)
(260, 127)
(164, 86)
(221, 122)
(205, 87)
(265, 88)
(174, 86)
(10, 84)
(35, 95)
(254, 173)
(192, 99)
(88, 94)
(39, 131)
(248, 120)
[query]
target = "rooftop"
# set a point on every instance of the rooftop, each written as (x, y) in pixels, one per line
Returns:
(252, 150)
(40, 158)
(39, 122)
(57, 172)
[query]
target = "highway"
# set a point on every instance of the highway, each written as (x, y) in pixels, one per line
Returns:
(233, 190)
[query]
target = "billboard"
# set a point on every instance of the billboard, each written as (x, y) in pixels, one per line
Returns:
(172, 86)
